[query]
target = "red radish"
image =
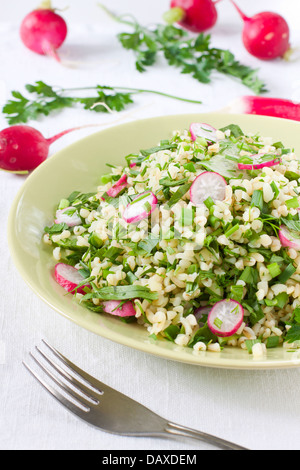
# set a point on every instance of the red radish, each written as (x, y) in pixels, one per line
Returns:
(258, 166)
(203, 130)
(265, 35)
(200, 312)
(287, 239)
(140, 208)
(73, 219)
(118, 187)
(265, 106)
(69, 278)
(43, 31)
(194, 15)
(208, 184)
(225, 318)
(118, 308)
(23, 148)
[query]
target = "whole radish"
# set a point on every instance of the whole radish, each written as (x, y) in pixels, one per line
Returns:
(265, 35)
(23, 148)
(195, 15)
(44, 31)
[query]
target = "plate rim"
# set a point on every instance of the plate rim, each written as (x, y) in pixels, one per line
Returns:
(209, 362)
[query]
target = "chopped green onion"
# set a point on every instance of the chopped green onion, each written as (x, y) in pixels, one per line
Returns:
(274, 269)
(287, 273)
(232, 230)
(292, 203)
(209, 202)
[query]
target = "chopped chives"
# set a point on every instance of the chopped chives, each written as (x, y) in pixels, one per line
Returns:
(292, 203)
(287, 273)
(232, 230)
(274, 269)
(209, 202)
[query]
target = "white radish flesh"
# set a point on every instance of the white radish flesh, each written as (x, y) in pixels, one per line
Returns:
(71, 219)
(287, 240)
(203, 130)
(225, 318)
(118, 308)
(208, 184)
(140, 208)
(69, 278)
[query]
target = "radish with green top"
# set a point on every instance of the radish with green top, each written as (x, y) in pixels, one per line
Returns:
(119, 308)
(68, 216)
(225, 318)
(202, 130)
(208, 184)
(140, 208)
(265, 35)
(43, 31)
(23, 148)
(69, 278)
(195, 15)
(287, 239)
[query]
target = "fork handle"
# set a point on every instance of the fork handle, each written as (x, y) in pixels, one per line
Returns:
(178, 430)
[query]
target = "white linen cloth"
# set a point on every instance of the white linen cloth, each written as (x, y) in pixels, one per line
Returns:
(257, 409)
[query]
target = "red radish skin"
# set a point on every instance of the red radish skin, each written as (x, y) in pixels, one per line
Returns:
(203, 130)
(287, 240)
(23, 148)
(135, 211)
(266, 106)
(208, 184)
(265, 35)
(70, 220)
(194, 15)
(69, 278)
(225, 318)
(258, 166)
(116, 307)
(43, 31)
(118, 187)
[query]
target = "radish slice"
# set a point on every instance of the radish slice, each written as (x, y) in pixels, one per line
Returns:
(200, 312)
(62, 217)
(140, 208)
(225, 318)
(287, 239)
(266, 106)
(69, 278)
(118, 187)
(203, 130)
(258, 166)
(208, 184)
(125, 310)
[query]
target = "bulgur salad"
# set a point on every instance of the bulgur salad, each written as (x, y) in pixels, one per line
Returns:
(196, 239)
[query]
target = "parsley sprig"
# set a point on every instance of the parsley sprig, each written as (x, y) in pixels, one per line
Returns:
(45, 99)
(192, 55)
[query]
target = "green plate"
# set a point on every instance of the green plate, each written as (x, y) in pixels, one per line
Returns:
(79, 167)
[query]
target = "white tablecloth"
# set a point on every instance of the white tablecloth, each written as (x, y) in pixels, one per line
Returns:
(260, 410)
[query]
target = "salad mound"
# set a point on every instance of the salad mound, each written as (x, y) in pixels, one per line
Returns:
(196, 239)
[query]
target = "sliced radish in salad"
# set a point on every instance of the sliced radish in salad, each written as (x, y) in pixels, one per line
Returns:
(68, 216)
(140, 208)
(257, 164)
(69, 278)
(206, 131)
(287, 239)
(225, 318)
(118, 187)
(201, 312)
(208, 184)
(118, 308)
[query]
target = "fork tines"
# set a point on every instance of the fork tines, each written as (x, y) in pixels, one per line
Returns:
(81, 391)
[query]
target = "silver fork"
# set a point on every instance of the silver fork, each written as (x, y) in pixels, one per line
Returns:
(106, 408)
